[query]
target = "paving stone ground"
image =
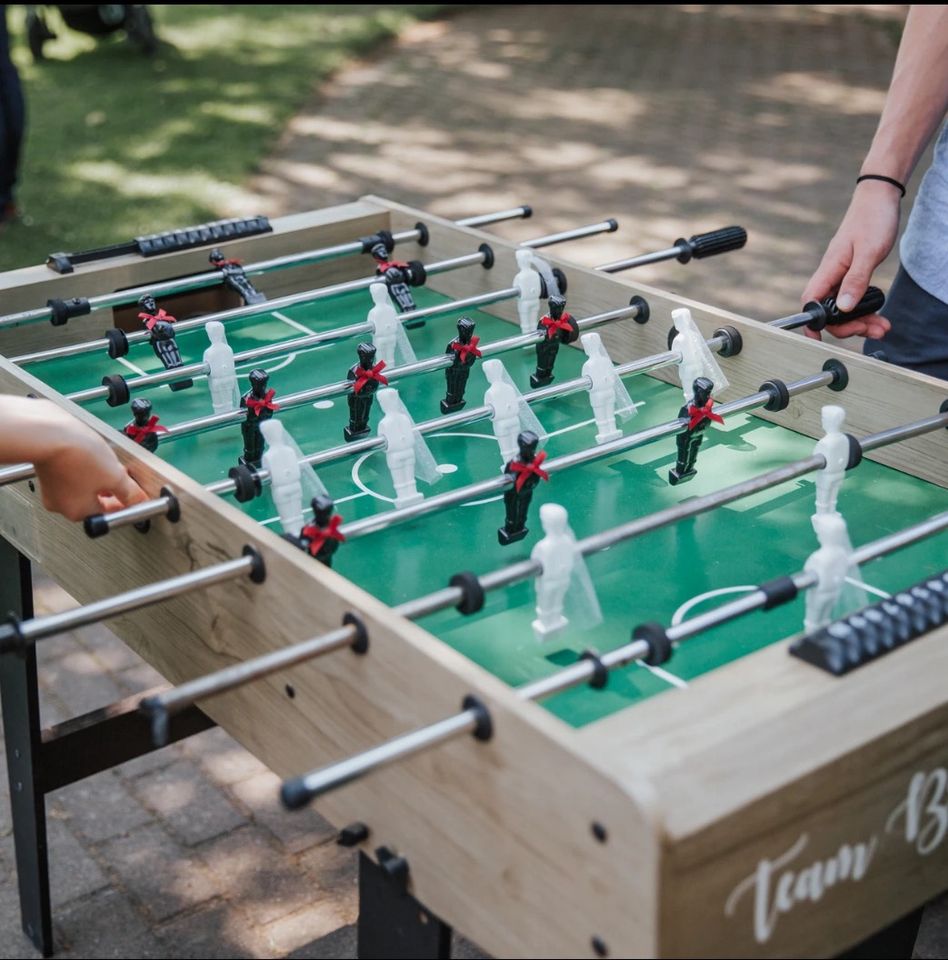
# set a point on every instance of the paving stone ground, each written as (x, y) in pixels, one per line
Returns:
(674, 120)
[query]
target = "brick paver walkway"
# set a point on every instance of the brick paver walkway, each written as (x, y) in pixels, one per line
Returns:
(673, 119)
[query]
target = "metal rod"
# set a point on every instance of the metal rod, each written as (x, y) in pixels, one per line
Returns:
(523, 212)
(230, 677)
(306, 296)
(906, 432)
(291, 346)
(102, 523)
(41, 627)
(239, 313)
(321, 781)
(214, 277)
(395, 373)
(606, 226)
(382, 521)
(640, 261)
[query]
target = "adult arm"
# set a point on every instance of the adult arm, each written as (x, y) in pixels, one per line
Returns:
(915, 106)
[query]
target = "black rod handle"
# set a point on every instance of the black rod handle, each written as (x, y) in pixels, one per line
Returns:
(703, 245)
(826, 312)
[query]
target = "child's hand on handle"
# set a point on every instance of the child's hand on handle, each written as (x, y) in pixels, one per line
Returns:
(78, 472)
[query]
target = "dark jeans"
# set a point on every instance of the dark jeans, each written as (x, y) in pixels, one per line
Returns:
(12, 116)
(919, 335)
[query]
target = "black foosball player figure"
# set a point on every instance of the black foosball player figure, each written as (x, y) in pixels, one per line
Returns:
(465, 353)
(143, 428)
(399, 277)
(366, 377)
(526, 472)
(558, 327)
(235, 277)
(258, 402)
(699, 414)
(321, 538)
(160, 327)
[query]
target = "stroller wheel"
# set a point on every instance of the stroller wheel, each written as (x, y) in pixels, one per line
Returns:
(37, 33)
(140, 29)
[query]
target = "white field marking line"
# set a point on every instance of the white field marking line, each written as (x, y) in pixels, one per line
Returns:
(476, 436)
(357, 480)
(869, 589)
(679, 615)
(308, 511)
(352, 496)
(291, 322)
(253, 364)
(131, 366)
(582, 423)
(664, 675)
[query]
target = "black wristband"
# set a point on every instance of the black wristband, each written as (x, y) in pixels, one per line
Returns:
(878, 176)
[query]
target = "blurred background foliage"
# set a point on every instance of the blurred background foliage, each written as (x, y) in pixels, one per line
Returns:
(119, 144)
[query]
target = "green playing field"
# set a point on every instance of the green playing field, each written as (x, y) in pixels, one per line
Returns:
(665, 576)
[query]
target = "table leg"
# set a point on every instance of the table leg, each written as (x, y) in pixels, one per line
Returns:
(393, 925)
(21, 725)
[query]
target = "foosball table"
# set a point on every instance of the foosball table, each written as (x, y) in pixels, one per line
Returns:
(686, 776)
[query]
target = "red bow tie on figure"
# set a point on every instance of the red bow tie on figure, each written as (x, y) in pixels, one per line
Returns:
(553, 326)
(523, 470)
(465, 350)
(138, 434)
(257, 404)
(228, 263)
(364, 376)
(151, 319)
(385, 265)
(318, 536)
(697, 414)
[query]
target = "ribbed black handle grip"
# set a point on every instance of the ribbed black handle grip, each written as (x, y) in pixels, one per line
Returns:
(872, 301)
(703, 245)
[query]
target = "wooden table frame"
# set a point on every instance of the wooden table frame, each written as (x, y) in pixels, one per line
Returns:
(711, 802)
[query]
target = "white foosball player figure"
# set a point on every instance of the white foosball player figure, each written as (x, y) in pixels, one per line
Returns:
(406, 453)
(291, 483)
(564, 585)
(221, 372)
(697, 360)
(832, 564)
(834, 447)
(607, 393)
(510, 413)
(528, 283)
(388, 332)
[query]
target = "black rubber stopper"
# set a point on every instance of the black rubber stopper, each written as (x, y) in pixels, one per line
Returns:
(840, 375)
(118, 342)
(96, 525)
(158, 715)
(485, 726)
(11, 637)
(778, 591)
(644, 310)
(600, 675)
(294, 794)
(353, 834)
(613, 225)
(473, 596)
(660, 647)
(118, 390)
(561, 280)
(670, 339)
(387, 239)
(488, 252)
(779, 395)
(733, 341)
(258, 569)
(246, 484)
(855, 452)
(527, 211)
(361, 643)
(418, 273)
(173, 513)
(423, 235)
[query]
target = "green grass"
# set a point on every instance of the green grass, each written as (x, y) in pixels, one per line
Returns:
(119, 145)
